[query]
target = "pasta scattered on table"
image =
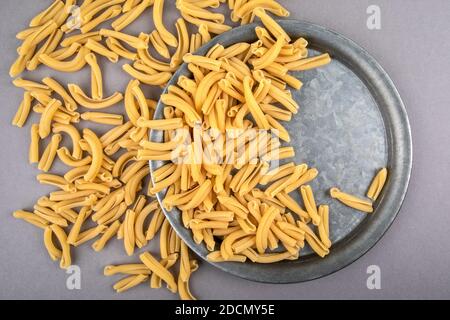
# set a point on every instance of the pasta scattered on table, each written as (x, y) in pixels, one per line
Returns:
(240, 206)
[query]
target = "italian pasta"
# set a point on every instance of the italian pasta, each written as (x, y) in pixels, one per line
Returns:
(377, 184)
(229, 193)
(351, 201)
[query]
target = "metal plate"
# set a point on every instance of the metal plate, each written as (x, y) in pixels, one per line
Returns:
(351, 123)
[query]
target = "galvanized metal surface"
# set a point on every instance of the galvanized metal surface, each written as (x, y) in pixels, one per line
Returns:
(352, 122)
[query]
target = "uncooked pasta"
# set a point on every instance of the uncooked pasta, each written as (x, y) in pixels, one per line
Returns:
(233, 194)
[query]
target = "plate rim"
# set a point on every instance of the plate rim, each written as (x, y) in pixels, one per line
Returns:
(345, 252)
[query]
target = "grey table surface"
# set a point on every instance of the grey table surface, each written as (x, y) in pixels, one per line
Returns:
(414, 48)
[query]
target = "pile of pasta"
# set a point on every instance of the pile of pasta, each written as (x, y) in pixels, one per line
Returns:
(104, 193)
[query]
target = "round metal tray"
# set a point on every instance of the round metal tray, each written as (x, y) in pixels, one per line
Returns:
(351, 123)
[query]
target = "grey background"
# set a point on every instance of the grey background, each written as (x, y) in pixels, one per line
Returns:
(414, 254)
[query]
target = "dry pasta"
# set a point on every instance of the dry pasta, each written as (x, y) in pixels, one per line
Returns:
(167, 37)
(351, 201)
(377, 184)
(158, 269)
(90, 103)
(103, 118)
(240, 210)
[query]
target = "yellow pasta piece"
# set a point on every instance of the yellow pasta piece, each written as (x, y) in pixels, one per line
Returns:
(284, 99)
(155, 281)
(47, 117)
(65, 156)
(233, 205)
(282, 184)
(306, 177)
(313, 240)
(73, 65)
(109, 13)
(185, 107)
(31, 218)
(159, 45)
(351, 201)
(155, 224)
(131, 187)
(195, 224)
(74, 135)
(213, 27)
(183, 43)
(62, 239)
(47, 14)
(163, 236)
(96, 152)
(269, 257)
(166, 124)
(204, 86)
(116, 47)
(134, 42)
(253, 106)
(64, 53)
(132, 170)
(49, 154)
(69, 103)
(290, 203)
(101, 50)
(204, 33)
(23, 34)
(216, 257)
(21, 62)
(114, 214)
(29, 85)
(91, 9)
(377, 184)
(122, 161)
(129, 235)
(49, 46)
(158, 269)
(57, 181)
(203, 62)
(271, 25)
(131, 14)
(81, 39)
(129, 282)
(50, 215)
(310, 203)
(36, 37)
(324, 232)
(159, 78)
(263, 228)
(23, 111)
(158, 7)
(82, 99)
(53, 252)
(198, 12)
(89, 235)
(103, 118)
(96, 77)
(234, 50)
(139, 224)
(134, 269)
(183, 285)
(270, 55)
(309, 63)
